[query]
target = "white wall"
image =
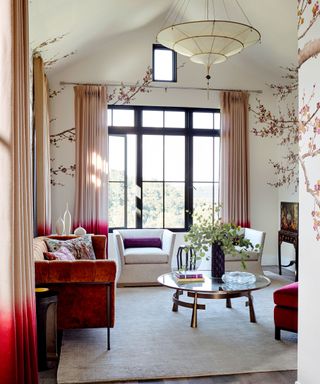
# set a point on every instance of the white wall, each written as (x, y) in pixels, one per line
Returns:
(125, 58)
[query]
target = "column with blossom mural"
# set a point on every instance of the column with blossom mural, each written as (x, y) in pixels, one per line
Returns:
(309, 187)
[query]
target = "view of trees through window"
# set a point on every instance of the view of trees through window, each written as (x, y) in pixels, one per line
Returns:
(163, 164)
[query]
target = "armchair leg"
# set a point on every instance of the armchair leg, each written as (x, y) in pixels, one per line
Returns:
(277, 333)
(108, 339)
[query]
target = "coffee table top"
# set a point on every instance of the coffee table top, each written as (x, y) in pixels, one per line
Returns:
(212, 285)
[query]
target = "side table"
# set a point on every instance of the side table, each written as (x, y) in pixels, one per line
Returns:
(189, 262)
(46, 304)
(291, 238)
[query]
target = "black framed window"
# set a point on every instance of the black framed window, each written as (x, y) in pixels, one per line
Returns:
(163, 164)
(164, 64)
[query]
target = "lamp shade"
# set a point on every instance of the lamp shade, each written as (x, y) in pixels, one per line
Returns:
(208, 41)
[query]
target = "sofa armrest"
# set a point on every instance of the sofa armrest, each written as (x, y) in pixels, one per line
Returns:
(79, 271)
(257, 238)
(168, 240)
(119, 246)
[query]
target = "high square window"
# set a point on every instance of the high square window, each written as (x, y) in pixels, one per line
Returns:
(164, 64)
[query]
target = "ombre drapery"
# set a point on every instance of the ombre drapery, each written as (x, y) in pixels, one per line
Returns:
(234, 175)
(91, 206)
(18, 357)
(42, 148)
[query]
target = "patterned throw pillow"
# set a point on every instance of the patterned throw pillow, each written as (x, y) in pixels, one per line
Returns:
(80, 247)
(62, 253)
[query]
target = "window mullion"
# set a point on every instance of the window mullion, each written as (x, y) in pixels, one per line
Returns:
(163, 181)
(125, 205)
(139, 203)
(189, 170)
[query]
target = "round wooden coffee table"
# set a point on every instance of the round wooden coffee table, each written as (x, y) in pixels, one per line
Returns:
(211, 288)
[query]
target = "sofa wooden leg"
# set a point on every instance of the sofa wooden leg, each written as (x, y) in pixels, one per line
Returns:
(277, 333)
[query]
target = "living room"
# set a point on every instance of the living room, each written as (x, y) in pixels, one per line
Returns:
(100, 43)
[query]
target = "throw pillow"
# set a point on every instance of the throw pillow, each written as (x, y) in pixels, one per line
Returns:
(62, 253)
(80, 247)
(150, 242)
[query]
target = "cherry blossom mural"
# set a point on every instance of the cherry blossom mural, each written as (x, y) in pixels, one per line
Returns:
(118, 96)
(282, 125)
(309, 107)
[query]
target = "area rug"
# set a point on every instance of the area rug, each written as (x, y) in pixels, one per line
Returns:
(150, 341)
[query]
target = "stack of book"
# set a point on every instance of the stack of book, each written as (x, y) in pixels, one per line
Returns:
(189, 277)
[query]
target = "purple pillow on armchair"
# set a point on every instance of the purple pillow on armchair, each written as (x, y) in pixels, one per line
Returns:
(150, 242)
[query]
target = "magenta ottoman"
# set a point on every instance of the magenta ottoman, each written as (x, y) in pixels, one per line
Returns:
(286, 309)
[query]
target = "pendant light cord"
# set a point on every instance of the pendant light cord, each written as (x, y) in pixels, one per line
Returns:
(225, 9)
(172, 10)
(246, 17)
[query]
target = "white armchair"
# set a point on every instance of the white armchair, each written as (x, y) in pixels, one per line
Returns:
(253, 262)
(142, 265)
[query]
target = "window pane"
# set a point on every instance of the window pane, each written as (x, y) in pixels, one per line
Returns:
(152, 157)
(123, 117)
(109, 116)
(202, 159)
(152, 208)
(202, 120)
(131, 180)
(116, 204)
(216, 158)
(116, 158)
(174, 119)
(217, 121)
(174, 158)
(174, 205)
(202, 194)
(216, 193)
(163, 64)
(152, 119)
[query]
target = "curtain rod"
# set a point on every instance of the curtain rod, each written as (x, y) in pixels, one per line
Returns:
(163, 87)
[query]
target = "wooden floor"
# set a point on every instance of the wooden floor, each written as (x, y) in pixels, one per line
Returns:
(283, 377)
(279, 377)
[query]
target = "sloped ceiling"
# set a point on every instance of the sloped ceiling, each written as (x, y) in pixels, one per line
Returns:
(70, 30)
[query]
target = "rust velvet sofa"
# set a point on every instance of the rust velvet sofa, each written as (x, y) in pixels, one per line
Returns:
(86, 288)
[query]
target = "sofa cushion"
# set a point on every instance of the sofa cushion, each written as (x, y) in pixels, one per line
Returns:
(62, 253)
(39, 247)
(145, 256)
(140, 233)
(142, 242)
(80, 247)
(287, 296)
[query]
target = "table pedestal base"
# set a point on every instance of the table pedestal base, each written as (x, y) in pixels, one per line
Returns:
(221, 295)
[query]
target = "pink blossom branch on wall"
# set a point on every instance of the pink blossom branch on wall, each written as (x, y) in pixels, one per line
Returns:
(126, 94)
(282, 126)
(307, 9)
(309, 125)
(309, 131)
(68, 134)
(53, 93)
(120, 96)
(310, 10)
(61, 170)
(40, 48)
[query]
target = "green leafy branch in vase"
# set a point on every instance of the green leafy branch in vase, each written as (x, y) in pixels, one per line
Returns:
(208, 229)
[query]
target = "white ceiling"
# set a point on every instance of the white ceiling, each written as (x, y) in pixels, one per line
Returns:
(88, 24)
